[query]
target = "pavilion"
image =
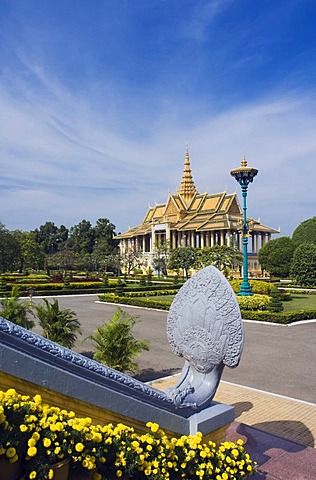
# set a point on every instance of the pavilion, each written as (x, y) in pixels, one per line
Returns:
(198, 220)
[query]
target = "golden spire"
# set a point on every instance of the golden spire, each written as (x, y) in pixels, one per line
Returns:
(187, 189)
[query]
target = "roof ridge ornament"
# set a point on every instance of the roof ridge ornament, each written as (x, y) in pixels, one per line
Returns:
(187, 188)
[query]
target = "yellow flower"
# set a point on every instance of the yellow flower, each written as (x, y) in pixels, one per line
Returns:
(32, 451)
(13, 459)
(23, 428)
(97, 437)
(47, 442)
(10, 452)
(31, 442)
(11, 392)
(79, 447)
(38, 399)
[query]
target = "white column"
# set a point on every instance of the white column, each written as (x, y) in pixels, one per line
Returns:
(263, 239)
(257, 243)
(253, 241)
(207, 239)
(202, 240)
(228, 236)
(212, 239)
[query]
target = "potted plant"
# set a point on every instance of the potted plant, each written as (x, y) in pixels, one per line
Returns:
(49, 447)
(88, 449)
(17, 415)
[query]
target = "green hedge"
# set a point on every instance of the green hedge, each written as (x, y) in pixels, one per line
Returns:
(151, 293)
(263, 316)
(140, 302)
(280, 317)
(148, 288)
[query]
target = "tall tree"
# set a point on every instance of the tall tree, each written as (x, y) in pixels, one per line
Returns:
(305, 232)
(105, 230)
(276, 256)
(31, 253)
(223, 257)
(303, 267)
(182, 257)
(50, 237)
(82, 237)
(9, 250)
(160, 258)
(131, 259)
(45, 235)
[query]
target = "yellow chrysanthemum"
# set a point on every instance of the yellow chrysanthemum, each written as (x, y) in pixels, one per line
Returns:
(32, 451)
(11, 452)
(47, 442)
(79, 447)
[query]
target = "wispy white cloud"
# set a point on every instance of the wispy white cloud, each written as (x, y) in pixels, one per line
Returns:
(62, 165)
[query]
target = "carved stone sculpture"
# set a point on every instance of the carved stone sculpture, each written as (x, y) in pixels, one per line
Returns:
(204, 326)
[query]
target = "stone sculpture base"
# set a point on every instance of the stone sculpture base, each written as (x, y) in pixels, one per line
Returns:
(212, 422)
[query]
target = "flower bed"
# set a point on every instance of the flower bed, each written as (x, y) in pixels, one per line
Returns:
(41, 435)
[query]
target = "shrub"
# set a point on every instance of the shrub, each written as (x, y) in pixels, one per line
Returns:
(119, 289)
(59, 324)
(253, 302)
(3, 286)
(275, 304)
(115, 344)
(142, 281)
(257, 286)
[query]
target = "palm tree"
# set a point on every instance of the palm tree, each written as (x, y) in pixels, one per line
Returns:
(58, 324)
(16, 310)
(115, 344)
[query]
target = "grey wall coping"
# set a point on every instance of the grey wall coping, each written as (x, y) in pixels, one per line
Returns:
(29, 356)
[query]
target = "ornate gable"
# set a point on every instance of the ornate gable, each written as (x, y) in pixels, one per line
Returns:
(171, 207)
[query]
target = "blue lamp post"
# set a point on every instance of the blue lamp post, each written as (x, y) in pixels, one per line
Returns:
(244, 175)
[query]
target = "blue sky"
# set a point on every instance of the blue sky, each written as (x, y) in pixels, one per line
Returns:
(98, 99)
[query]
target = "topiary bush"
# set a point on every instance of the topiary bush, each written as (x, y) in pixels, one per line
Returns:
(257, 286)
(275, 304)
(253, 302)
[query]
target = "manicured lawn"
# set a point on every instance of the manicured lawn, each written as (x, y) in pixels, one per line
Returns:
(300, 302)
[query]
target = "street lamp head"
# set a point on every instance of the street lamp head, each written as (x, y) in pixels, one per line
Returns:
(244, 174)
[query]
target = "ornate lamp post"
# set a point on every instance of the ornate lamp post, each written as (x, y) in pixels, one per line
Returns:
(244, 175)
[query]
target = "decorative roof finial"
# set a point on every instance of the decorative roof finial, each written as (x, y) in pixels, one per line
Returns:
(244, 161)
(187, 188)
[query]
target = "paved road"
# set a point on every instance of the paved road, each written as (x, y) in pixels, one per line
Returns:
(276, 358)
